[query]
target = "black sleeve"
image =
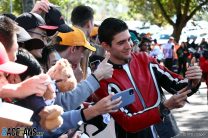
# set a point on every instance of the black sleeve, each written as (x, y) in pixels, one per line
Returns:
(34, 103)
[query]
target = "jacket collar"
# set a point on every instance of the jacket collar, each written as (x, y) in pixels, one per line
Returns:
(117, 66)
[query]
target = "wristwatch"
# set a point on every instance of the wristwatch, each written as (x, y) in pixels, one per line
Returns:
(164, 111)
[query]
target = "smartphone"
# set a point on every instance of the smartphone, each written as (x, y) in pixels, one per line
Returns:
(127, 97)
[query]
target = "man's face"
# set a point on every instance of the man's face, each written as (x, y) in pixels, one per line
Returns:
(120, 48)
(73, 54)
(40, 34)
(145, 46)
(77, 55)
(13, 50)
(171, 40)
(53, 58)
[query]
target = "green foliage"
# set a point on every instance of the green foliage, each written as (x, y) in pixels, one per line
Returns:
(103, 9)
(151, 11)
(174, 12)
(5, 6)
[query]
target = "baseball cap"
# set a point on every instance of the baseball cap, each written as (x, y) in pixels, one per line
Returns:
(9, 66)
(26, 41)
(32, 20)
(75, 38)
(55, 18)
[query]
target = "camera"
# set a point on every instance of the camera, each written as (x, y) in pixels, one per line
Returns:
(131, 92)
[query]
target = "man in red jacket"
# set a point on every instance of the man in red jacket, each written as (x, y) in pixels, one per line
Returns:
(203, 62)
(147, 77)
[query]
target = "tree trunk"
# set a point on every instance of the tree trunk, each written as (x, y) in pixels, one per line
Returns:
(27, 5)
(177, 29)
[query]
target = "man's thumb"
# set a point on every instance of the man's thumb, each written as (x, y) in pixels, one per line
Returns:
(107, 56)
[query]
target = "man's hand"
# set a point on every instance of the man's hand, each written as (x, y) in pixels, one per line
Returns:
(105, 105)
(41, 6)
(34, 85)
(177, 100)
(104, 69)
(194, 74)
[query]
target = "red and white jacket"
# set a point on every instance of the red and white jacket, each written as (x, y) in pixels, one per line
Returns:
(203, 62)
(147, 77)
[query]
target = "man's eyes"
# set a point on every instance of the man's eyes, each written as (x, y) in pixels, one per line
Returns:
(122, 42)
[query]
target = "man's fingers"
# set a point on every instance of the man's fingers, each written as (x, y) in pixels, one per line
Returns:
(45, 1)
(42, 5)
(193, 60)
(116, 101)
(181, 97)
(183, 90)
(184, 93)
(196, 75)
(193, 69)
(43, 78)
(179, 100)
(107, 56)
(42, 88)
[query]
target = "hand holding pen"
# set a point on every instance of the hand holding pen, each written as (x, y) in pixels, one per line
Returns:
(173, 90)
(178, 100)
(193, 74)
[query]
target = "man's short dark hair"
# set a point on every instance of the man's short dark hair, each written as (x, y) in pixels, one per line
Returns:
(109, 28)
(8, 28)
(81, 15)
(34, 68)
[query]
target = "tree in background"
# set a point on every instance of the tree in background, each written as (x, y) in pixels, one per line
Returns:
(165, 11)
(27, 5)
(103, 9)
(16, 6)
(174, 12)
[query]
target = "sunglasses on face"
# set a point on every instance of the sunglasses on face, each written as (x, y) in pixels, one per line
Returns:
(43, 36)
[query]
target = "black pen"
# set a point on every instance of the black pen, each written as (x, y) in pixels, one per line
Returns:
(178, 93)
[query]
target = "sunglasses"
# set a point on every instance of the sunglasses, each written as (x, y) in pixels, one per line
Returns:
(43, 36)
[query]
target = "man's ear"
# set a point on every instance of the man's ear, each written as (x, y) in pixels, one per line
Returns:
(105, 46)
(72, 49)
(88, 24)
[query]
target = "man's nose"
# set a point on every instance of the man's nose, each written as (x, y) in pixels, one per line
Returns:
(129, 44)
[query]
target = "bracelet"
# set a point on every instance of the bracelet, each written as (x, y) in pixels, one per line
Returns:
(95, 77)
(164, 111)
(82, 115)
